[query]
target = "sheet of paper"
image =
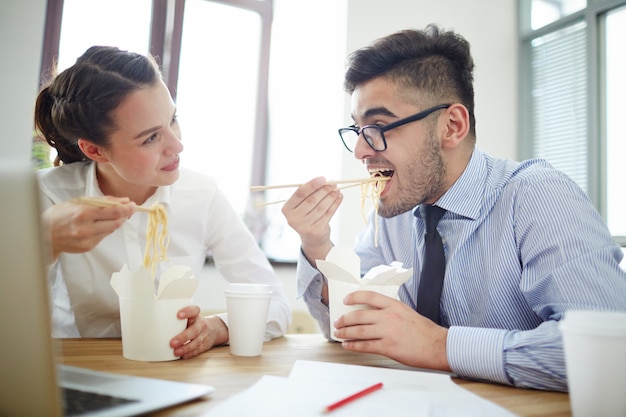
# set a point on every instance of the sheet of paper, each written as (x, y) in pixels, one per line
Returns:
(321, 372)
(311, 386)
(280, 397)
(444, 397)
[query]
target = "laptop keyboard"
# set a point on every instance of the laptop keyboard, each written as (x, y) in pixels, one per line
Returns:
(79, 402)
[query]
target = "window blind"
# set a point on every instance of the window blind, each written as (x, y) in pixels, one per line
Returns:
(559, 100)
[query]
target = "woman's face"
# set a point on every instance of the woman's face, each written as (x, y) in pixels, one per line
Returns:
(144, 149)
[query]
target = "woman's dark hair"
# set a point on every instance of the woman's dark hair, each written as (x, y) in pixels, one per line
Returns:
(435, 62)
(78, 103)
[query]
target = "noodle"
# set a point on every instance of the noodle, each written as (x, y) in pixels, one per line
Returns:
(373, 190)
(157, 238)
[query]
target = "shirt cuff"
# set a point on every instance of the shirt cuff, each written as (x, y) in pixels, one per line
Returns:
(477, 353)
(309, 287)
(306, 275)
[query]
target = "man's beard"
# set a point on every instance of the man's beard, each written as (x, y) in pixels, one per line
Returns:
(421, 180)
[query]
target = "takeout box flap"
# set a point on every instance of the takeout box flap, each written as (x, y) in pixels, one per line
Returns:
(175, 282)
(136, 284)
(392, 274)
(346, 258)
(180, 288)
(343, 264)
(335, 272)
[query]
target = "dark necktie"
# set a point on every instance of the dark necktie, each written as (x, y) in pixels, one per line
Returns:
(434, 268)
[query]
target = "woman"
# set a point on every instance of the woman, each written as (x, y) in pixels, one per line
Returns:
(113, 123)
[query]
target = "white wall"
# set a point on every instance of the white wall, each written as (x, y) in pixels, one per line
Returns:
(491, 28)
(21, 35)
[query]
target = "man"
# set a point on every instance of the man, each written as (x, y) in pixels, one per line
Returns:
(522, 242)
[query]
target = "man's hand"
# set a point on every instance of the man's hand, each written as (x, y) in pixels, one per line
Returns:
(394, 330)
(309, 211)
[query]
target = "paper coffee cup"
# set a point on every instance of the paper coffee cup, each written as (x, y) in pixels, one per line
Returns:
(594, 344)
(247, 306)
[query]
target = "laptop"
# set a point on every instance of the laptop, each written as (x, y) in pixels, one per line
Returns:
(31, 383)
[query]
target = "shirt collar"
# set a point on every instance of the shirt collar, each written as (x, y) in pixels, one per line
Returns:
(162, 195)
(464, 197)
(92, 189)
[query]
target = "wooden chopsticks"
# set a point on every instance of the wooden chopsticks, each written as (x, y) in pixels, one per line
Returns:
(351, 183)
(282, 201)
(101, 202)
(355, 182)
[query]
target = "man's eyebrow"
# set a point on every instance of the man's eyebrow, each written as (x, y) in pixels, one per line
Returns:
(377, 111)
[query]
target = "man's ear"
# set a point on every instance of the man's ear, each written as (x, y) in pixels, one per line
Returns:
(457, 126)
(91, 150)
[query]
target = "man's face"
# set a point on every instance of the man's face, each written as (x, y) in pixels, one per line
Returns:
(413, 155)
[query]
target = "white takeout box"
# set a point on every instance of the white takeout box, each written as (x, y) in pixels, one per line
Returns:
(148, 315)
(342, 270)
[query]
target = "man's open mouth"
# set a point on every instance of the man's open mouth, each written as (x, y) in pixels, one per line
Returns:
(375, 172)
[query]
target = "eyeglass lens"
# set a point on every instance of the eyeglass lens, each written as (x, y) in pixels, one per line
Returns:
(372, 135)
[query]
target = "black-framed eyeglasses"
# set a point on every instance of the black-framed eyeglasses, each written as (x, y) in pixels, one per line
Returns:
(374, 135)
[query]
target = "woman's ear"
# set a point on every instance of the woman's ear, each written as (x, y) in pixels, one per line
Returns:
(457, 126)
(92, 151)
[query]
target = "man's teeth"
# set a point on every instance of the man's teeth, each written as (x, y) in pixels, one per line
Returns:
(385, 172)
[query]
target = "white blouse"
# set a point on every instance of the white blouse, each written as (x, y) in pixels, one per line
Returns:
(201, 222)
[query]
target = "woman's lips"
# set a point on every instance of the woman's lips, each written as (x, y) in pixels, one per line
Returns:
(173, 166)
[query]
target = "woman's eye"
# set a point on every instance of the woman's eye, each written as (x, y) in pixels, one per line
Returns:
(174, 119)
(151, 139)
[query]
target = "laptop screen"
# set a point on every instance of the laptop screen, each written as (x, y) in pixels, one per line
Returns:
(28, 379)
(29, 383)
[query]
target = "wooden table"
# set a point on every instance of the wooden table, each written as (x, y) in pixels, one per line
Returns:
(231, 375)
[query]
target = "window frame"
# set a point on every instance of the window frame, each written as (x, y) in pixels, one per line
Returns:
(165, 43)
(592, 15)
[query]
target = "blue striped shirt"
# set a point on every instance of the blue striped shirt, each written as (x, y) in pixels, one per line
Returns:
(523, 244)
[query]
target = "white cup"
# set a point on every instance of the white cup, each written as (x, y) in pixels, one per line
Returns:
(594, 344)
(247, 306)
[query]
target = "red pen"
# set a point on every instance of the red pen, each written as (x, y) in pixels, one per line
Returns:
(353, 397)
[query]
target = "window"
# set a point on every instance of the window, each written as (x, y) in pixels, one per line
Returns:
(306, 101)
(544, 12)
(615, 68)
(217, 92)
(559, 94)
(88, 23)
(571, 86)
(250, 114)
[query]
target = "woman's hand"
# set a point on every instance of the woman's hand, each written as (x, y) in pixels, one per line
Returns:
(201, 334)
(78, 228)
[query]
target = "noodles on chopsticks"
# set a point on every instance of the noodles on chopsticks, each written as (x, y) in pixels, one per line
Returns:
(157, 238)
(371, 187)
